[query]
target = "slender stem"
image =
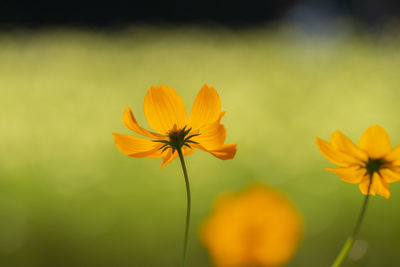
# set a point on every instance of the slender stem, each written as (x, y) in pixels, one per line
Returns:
(188, 205)
(350, 240)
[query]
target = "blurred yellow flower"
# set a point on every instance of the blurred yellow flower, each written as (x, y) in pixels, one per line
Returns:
(373, 159)
(258, 227)
(166, 113)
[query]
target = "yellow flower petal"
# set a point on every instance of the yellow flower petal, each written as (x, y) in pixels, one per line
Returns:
(130, 122)
(352, 175)
(167, 158)
(394, 156)
(375, 140)
(334, 156)
(381, 187)
(212, 136)
(343, 144)
(227, 151)
(364, 186)
(136, 146)
(390, 175)
(163, 108)
(206, 107)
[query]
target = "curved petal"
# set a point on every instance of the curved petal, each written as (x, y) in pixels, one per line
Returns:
(352, 175)
(227, 151)
(343, 144)
(381, 187)
(167, 158)
(135, 146)
(364, 186)
(375, 140)
(130, 122)
(394, 156)
(212, 136)
(390, 175)
(334, 156)
(206, 107)
(164, 108)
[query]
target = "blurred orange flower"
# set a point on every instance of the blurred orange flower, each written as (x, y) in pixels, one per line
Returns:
(373, 159)
(166, 113)
(258, 227)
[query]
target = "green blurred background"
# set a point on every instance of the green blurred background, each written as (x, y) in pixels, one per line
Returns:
(68, 197)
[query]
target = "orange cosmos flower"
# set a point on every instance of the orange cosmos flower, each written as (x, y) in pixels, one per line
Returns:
(373, 161)
(258, 227)
(166, 113)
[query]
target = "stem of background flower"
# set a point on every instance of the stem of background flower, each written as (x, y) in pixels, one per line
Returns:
(188, 205)
(350, 240)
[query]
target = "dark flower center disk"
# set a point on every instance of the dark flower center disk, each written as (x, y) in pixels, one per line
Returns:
(174, 134)
(178, 139)
(374, 165)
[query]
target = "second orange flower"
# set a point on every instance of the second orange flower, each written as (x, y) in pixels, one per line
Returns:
(373, 164)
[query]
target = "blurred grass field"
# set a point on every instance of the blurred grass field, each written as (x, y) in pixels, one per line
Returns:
(68, 197)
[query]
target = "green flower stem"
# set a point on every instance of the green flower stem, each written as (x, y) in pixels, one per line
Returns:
(350, 240)
(188, 205)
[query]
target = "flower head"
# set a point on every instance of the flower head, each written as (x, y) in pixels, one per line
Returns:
(166, 114)
(372, 165)
(258, 227)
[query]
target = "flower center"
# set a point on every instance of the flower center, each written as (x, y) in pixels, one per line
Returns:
(178, 138)
(374, 165)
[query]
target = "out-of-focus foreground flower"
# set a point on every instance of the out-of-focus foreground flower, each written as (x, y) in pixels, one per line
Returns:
(166, 113)
(373, 161)
(258, 227)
